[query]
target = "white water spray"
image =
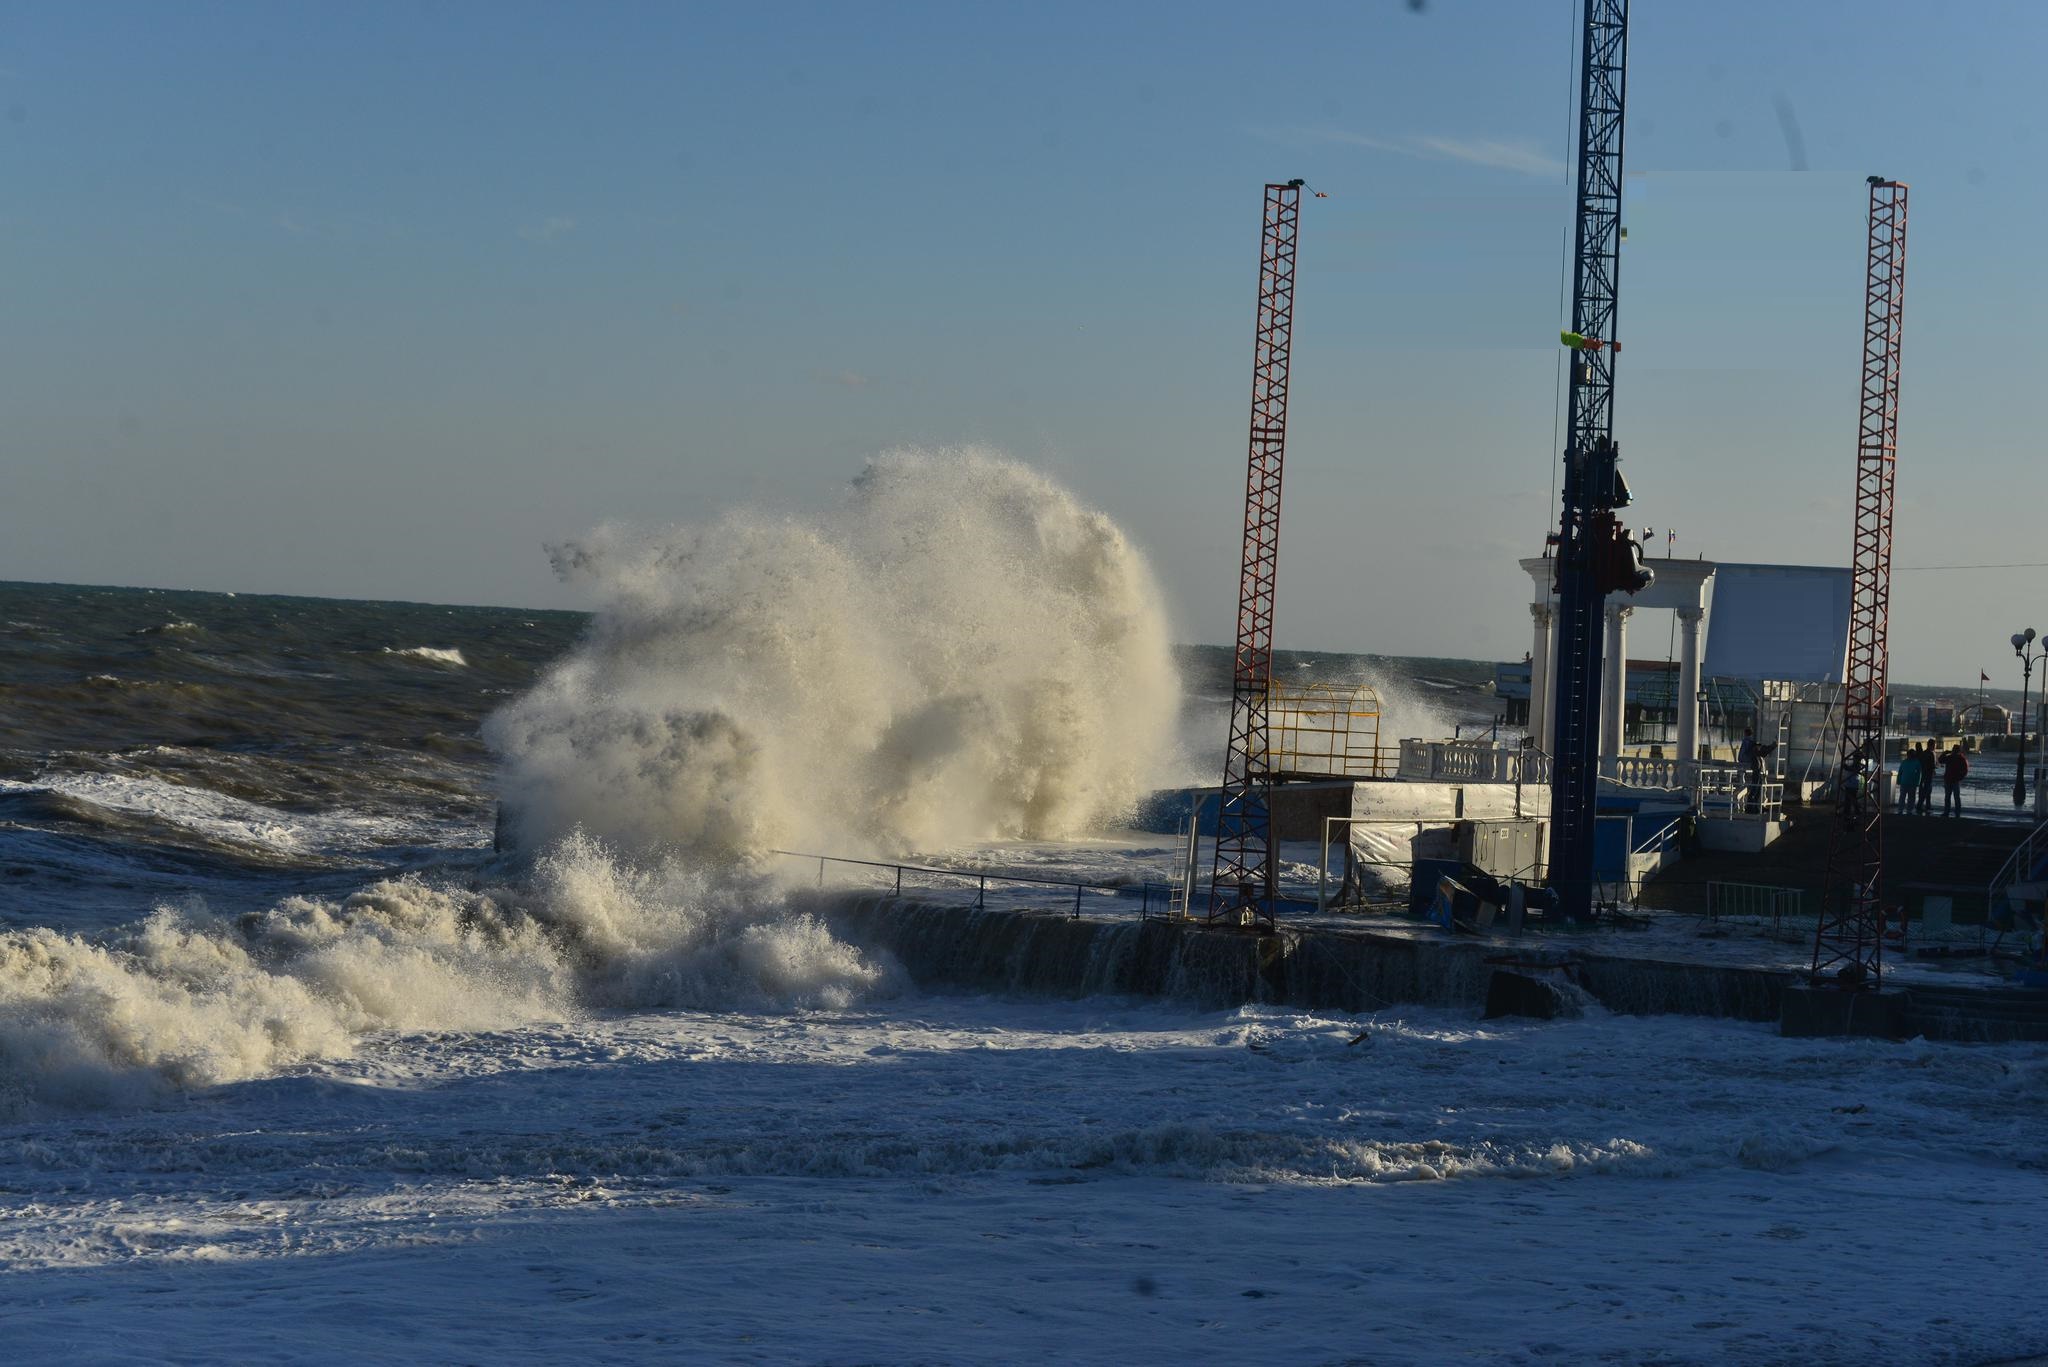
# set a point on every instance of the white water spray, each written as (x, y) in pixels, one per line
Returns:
(958, 651)
(187, 998)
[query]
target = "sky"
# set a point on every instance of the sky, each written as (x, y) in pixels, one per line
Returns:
(375, 300)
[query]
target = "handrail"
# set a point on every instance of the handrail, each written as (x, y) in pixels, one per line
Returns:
(983, 876)
(2019, 865)
(1749, 898)
(1658, 840)
(1716, 787)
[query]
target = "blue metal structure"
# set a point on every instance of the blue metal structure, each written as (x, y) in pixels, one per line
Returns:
(1588, 534)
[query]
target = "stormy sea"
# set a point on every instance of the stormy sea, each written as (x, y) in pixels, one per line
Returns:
(391, 982)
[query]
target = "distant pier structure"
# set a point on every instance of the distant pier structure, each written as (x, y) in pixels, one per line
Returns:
(1739, 625)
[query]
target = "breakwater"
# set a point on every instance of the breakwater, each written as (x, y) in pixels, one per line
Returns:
(1319, 968)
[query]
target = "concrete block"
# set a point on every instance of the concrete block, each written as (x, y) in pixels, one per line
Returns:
(1738, 835)
(1808, 1011)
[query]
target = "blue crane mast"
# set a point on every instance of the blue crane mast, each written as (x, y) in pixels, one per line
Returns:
(1594, 554)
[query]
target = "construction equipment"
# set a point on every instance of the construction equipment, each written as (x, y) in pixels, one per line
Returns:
(1847, 944)
(1244, 878)
(1595, 554)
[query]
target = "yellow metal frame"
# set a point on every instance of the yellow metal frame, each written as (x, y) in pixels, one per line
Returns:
(1318, 730)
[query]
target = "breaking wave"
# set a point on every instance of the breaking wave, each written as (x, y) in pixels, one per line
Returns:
(188, 998)
(957, 651)
(439, 655)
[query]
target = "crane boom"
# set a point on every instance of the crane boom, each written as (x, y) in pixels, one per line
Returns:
(1847, 946)
(1244, 877)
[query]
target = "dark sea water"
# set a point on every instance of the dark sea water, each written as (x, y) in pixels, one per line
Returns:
(155, 744)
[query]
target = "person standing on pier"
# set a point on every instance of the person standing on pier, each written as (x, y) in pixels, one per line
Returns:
(1749, 759)
(1855, 787)
(1909, 781)
(1927, 767)
(1954, 769)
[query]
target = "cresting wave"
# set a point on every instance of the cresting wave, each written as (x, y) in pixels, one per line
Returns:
(957, 651)
(440, 655)
(187, 998)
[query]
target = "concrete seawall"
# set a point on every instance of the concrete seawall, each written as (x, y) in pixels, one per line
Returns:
(1327, 969)
(1359, 970)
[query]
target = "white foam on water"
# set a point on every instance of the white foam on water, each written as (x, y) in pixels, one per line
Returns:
(959, 650)
(440, 655)
(187, 998)
(221, 817)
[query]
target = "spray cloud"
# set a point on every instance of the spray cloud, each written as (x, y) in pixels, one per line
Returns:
(957, 651)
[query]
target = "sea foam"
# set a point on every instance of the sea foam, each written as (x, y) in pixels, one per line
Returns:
(188, 998)
(957, 651)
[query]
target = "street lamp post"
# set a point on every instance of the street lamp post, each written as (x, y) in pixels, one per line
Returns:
(2021, 641)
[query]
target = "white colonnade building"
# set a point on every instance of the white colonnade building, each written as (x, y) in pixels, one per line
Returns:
(1682, 587)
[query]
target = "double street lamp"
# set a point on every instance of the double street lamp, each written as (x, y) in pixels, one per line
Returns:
(2021, 643)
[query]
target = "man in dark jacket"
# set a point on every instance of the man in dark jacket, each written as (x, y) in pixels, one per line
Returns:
(1954, 769)
(1927, 768)
(1749, 760)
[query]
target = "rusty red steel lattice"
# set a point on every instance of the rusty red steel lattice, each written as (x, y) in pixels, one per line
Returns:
(1848, 945)
(1243, 879)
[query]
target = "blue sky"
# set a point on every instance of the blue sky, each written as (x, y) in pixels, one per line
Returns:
(374, 299)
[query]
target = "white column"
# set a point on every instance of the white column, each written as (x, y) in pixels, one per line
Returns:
(1688, 688)
(1614, 688)
(1539, 677)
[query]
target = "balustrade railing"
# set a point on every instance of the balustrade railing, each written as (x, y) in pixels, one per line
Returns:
(1472, 761)
(1640, 771)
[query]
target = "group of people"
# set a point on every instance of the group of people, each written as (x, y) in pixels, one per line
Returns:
(1915, 789)
(1913, 792)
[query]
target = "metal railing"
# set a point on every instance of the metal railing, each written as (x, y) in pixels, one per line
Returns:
(1726, 793)
(981, 878)
(1753, 899)
(2019, 868)
(1380, 762)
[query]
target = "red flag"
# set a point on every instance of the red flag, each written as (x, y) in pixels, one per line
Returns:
(1982, 677)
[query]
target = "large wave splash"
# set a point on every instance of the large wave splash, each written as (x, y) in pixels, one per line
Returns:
(188, 998)
(959, 650)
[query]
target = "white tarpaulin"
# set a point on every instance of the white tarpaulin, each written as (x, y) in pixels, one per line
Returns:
(1787, 622)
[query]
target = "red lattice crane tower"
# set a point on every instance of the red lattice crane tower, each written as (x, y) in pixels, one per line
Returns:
(1846, 947)
(1243, 880)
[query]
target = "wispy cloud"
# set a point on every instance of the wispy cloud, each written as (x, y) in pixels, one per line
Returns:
(1518, 155)
(341, 225)
(548, 231)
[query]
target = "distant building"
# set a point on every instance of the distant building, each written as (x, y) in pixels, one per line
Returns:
(1650, 711)
(1986, 719)
(1754, 645)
